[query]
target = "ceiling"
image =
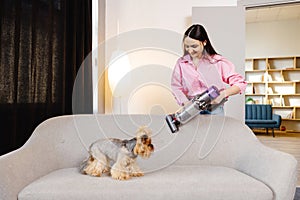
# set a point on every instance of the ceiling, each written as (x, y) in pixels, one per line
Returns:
(273, 13)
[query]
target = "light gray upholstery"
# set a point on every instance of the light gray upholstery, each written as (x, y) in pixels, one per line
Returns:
(220, 183)
(211, 157)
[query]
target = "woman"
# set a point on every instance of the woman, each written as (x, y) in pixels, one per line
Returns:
(201, 67)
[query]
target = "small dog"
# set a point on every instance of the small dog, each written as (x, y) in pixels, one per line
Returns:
(122, 154)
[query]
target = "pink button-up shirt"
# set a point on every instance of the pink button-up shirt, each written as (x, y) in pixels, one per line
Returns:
(189, 80)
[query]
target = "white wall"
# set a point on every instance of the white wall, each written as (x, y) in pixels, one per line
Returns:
(227, 34)
(124, 16)
(276, 38)
(167, 14)
(273, 39)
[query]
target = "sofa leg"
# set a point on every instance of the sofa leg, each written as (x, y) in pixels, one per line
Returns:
(273, 132)
(267, 131)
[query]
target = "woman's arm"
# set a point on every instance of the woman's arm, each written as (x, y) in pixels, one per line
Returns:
(177, 86)
(236, 81)
(233, 90)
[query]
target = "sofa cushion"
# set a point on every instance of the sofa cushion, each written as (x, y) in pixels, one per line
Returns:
(175, 182)
(254, 121)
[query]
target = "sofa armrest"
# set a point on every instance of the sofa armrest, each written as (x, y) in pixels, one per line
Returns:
(277, 118)
(225, 141)
(21, 167)
(276, 169)
(246, 153)
(44, 152)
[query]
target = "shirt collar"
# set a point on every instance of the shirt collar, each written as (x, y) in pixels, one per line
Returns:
(186, 59)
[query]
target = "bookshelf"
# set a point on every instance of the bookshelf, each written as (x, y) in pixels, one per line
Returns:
(276, 81)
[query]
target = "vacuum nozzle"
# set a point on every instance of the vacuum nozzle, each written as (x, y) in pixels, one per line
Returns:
(172, 123)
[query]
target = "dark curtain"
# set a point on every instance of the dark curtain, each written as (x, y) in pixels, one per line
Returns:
(43, 44)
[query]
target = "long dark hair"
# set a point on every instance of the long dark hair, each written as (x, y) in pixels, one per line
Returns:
(198, 32)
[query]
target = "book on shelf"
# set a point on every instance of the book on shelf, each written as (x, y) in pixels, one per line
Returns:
(266, 77)
(269, 79)
(290, 115)
(249, 90)
(275, 102)
(270, 90)
(258, 89)
(282, 101)
(267, 101)
(279, 78)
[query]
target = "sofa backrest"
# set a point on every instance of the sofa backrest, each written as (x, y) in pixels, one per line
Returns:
(206, 139)
(258, 111)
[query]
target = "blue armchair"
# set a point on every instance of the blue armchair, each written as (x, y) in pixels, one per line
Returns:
(261, 116)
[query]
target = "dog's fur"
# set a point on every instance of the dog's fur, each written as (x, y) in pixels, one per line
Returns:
(122, 153)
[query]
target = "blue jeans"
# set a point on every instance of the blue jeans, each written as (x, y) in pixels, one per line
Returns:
(218, 111)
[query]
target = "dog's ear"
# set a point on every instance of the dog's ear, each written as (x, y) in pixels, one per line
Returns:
(144, 130)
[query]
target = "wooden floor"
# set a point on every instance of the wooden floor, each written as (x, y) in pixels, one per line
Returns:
(286, 142)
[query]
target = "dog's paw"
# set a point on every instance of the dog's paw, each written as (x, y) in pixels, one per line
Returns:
(105, 170)
(93, 168)
(120, 176)
(92, 172)
(137, 174)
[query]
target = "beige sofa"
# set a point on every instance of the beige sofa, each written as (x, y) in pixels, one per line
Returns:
(211, 157)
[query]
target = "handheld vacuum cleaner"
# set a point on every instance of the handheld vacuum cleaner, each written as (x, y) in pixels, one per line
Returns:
(199, 103)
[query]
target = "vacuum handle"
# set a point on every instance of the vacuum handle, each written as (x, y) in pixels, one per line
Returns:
(212, 107)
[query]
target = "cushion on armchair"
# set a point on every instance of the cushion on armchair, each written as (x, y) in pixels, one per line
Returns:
(258, 112)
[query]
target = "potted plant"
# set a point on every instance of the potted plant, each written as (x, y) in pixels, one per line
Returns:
(250, 100)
